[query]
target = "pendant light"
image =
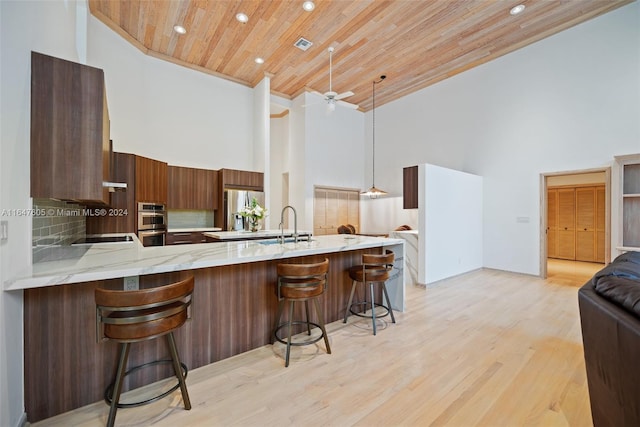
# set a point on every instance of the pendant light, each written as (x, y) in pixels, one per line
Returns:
(374, 192)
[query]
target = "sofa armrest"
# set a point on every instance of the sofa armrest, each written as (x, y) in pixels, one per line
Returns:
(611, 338)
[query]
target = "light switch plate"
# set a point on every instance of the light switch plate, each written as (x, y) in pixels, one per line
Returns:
(132, 283)
(4, 230)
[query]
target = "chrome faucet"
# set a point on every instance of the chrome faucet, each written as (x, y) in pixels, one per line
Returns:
(295, 224)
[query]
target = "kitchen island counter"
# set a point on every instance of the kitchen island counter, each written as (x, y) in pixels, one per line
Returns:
(117, 260)
(233, 309)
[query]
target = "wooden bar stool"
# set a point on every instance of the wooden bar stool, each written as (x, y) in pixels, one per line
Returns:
(132, 316)
(301, 282)
(374, 270)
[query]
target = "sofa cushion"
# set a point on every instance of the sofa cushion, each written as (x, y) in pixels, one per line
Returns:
(625, 265)
(622, 291)
(619, 282)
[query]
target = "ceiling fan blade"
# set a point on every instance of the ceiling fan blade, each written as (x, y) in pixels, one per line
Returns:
(348, 105)
(344, 95)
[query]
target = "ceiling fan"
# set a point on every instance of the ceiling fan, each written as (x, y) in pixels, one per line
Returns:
(332, 98)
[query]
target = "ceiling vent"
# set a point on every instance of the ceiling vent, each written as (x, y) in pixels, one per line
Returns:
(303, 44)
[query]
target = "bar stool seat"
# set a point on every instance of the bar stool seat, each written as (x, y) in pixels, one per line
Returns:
(375, 269)
(297, 283)
(132, 316)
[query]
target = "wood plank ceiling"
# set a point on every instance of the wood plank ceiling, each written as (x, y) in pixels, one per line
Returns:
(415, 43)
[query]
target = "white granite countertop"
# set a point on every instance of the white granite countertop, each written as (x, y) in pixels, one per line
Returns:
(193, 230)
(260, 234)
(115, 260)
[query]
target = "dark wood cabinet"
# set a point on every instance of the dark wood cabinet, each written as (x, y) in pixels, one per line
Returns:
(122, 219)
(191, 188)
(244, 180)
(239, 180)
(70, 147)
(146, 182)
(410, 187)
(185, 238)
(151, 180)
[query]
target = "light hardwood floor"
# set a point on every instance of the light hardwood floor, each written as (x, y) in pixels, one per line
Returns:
(488, 348)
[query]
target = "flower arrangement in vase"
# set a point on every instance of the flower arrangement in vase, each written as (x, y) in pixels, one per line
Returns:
(253, 212)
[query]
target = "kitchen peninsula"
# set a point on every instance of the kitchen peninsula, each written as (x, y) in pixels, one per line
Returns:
(234, 307)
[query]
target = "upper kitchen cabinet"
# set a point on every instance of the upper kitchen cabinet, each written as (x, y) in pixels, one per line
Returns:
(242, 180)
(239, 180)
(410, 187)
(191, 188)
(151, 180)
(146, 182)
(70, 147)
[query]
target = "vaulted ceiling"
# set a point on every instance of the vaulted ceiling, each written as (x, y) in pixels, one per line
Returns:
(415, 43)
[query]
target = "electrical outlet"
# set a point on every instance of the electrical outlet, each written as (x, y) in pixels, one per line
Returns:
(132, 283)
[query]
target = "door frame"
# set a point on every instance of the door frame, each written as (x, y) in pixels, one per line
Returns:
(543, 212)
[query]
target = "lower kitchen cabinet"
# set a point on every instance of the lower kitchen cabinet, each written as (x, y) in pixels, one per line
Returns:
(185, 238)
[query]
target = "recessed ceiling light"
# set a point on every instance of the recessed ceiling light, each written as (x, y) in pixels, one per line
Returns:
(242, 17)
(308, 5)
(259, 60)
(179, 29)
(517, 9)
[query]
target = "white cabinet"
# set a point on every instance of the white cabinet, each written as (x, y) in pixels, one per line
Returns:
(629, 207)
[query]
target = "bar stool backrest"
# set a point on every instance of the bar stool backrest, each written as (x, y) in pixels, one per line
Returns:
(376, 267)
(302, 280)
(129, 316)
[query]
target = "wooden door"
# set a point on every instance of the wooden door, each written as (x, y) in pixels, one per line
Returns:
(586, 224)
(566, 223)
(601, 201)
(334, 207)
(552, 223)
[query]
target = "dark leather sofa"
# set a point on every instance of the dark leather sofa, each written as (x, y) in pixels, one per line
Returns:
(610, 318)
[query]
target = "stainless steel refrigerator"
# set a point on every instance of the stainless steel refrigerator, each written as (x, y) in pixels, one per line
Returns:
(234, 201)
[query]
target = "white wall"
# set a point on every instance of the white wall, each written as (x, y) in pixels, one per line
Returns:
(279, 145)
(172, 113)
(569, 102)
(450, 223)
(327, 151)
(47, 27)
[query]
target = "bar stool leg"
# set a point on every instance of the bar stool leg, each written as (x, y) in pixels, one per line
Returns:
(291, 304)
(117, 388)
(373, 308)
(275, 327)
(178, 370)
(324, 331)
(346, 313)
(384, 288)
(306, 309)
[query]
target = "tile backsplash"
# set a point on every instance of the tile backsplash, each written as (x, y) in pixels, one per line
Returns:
(56, 223)
(184, 218)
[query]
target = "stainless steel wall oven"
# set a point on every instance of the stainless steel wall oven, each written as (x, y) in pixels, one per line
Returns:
(152, 224)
